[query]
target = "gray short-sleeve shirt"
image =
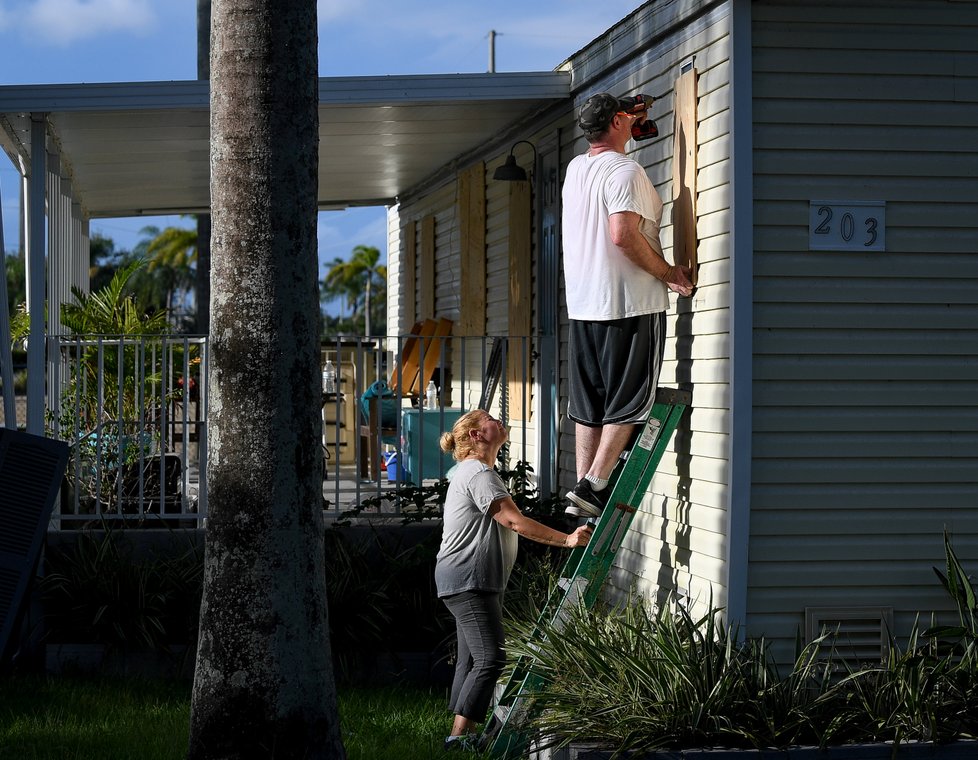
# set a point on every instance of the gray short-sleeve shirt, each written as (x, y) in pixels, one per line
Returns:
(477, 553)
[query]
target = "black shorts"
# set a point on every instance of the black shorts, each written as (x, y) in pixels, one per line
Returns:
(614, 368)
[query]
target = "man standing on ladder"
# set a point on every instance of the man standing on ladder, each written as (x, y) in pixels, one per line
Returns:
(616, 283)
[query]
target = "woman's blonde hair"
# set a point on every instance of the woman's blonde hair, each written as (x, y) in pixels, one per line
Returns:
(458, 442)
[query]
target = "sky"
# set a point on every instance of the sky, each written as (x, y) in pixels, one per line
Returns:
(68, 41)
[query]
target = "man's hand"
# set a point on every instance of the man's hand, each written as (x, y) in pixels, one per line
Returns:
(679, 279)
(625, 233)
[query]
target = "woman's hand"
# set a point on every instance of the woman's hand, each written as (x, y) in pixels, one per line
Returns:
(579, 537)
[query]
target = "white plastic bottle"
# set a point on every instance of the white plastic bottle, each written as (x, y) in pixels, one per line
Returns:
(431, 395)
(329, 377)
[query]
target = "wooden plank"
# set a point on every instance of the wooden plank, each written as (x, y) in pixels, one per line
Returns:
(405, 370)
(426, 299)
(410, 273)
(684, 174)
(472, 233)
(431, 350)
(520, 298)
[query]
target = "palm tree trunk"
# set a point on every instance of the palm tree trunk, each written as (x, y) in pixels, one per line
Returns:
(366, 325)
(264, 683)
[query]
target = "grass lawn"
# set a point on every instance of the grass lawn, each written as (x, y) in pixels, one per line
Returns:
(115, 719)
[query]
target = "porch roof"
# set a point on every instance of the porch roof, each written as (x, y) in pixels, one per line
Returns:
(132, 149)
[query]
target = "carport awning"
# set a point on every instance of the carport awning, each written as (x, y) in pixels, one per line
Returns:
(141, 148)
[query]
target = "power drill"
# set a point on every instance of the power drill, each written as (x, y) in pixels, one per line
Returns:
(643, 128)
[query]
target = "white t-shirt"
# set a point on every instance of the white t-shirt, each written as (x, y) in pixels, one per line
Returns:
(601, 283)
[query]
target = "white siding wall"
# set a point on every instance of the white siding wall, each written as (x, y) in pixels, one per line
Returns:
(442, 203)
(865, 368)
(678, 540)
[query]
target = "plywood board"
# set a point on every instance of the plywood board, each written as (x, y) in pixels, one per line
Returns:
(410, 273)
(472, 233)
(426, 297)
(520, 296)
(684, 173)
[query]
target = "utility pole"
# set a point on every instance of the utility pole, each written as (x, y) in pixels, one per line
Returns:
(492, 51)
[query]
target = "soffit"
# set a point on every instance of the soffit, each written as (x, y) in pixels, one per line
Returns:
(131, 149)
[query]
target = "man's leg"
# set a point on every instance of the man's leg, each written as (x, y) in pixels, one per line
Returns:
(597, 450)
(613, 371)
(613, 440)
(586, 443)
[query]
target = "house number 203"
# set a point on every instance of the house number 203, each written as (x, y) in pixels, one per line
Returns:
(847, 226)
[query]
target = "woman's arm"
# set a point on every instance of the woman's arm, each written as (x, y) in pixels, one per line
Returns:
(507, 514)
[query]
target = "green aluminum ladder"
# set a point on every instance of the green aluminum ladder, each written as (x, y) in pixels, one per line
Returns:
(585, 570)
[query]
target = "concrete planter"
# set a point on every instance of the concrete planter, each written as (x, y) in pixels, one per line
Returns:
(965, 749)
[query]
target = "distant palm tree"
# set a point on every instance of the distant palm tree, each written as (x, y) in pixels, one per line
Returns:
(173, 247)
(171, 254)
(337, 287)
(356, 277)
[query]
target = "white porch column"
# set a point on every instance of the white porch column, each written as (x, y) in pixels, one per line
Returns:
(79, 248)
(58, 272)
(6, 356)
(35, 248)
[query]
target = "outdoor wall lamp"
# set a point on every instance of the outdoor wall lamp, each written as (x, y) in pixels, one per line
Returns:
(512, 171)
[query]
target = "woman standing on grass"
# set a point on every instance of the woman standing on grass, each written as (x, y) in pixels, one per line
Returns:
(478, 550)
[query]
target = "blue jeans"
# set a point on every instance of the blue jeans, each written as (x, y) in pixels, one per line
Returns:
(481, 653)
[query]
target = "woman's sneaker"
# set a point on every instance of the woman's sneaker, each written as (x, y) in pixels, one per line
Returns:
(585, 501)
(465, 743)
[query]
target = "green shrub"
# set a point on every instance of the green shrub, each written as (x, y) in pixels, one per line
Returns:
(645, 681)
(638, 680)
(380, 592)
(381, 598)
(100, 592)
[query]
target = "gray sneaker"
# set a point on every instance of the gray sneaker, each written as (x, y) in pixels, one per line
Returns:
(585, 501)
(465, 743)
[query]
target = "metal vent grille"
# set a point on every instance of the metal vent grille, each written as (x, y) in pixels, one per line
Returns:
(855, 636)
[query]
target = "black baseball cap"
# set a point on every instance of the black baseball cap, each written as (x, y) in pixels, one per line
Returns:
(597, 112)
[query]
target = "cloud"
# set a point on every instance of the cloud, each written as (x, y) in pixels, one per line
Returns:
(327, 10)
(66, 21)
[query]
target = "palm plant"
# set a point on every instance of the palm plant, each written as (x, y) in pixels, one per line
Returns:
(112, 389)
(109, 312)
(957, 583)
(113, 310)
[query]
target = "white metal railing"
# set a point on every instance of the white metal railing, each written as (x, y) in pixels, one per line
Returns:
(494, 373)
(135, 411)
